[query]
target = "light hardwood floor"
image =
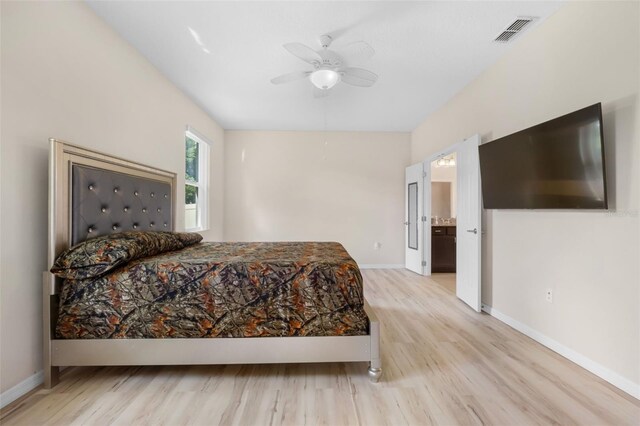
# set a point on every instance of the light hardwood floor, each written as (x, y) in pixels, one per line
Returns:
(446, 280)
(443, 364)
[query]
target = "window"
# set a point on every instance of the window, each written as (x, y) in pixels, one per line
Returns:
(196, 179)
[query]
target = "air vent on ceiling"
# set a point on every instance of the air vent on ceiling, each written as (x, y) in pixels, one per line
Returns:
(514, 28)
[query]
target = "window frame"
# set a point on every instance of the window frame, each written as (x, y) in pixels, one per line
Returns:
(202, 201)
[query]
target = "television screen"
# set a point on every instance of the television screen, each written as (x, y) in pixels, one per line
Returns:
(558, 164)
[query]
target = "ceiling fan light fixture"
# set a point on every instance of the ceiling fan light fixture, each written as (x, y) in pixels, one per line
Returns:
(324, 79)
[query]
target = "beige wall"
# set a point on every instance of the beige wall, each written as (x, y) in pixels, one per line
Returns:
(293, 186)
(586, 53)
(66, 74)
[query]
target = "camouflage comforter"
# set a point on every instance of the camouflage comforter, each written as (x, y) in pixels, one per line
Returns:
(220, 290)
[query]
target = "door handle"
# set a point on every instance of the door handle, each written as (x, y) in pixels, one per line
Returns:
(473, 231)
(406, 223)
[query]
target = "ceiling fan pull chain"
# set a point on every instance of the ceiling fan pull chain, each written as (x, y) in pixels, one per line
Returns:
(326, 143)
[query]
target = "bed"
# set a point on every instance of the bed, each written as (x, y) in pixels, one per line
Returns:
(195, 303)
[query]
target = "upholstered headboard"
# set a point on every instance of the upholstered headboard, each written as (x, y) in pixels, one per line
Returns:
(103, 201)
(93, 194)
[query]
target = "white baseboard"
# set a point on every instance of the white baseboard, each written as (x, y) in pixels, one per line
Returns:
(22, 388)
(382, 266)
(599, 370)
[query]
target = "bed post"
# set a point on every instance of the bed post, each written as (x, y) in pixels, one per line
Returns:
(49, 296)
(48, 307)
(375, 365)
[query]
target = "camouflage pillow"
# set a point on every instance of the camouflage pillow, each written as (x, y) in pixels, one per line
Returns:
(97, 256)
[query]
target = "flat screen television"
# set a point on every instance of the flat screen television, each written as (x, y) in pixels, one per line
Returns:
(558, 164)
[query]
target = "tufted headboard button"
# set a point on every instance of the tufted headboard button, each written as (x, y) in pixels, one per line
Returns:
(116, 189)
(151, 224)
(152, 195)
(135, 226)
(135, 193)
(103, 209)
(91, 187)
(90, 230)
(144, 210)
(126, 209)
(114, 227)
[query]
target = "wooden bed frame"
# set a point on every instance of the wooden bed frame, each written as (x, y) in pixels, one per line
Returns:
(99, 352)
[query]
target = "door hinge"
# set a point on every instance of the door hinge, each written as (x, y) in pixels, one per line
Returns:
(424, 174)
(424, 218)
(424, 263)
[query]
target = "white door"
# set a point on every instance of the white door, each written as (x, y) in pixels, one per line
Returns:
(469, 232)
(413, 216)
(426, 213)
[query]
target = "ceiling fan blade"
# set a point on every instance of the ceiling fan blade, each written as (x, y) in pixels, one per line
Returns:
(358, 51)
(320, 93)
(303, 52)
(358, 77)
(292, 76)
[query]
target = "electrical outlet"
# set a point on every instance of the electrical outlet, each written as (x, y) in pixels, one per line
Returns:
(549, 295)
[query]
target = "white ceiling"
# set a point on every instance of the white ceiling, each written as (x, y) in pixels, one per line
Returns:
(425, 53)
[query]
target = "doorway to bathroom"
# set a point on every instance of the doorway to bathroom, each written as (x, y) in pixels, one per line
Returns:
(456, 233)
(443, 221)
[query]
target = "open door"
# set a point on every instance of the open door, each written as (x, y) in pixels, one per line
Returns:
(413, 218)
(469, 232)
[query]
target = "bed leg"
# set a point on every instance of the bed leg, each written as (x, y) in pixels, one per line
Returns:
(51, 377)
(374, 374)
(49, 313)
(375, 366)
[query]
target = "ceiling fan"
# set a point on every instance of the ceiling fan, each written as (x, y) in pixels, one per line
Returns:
(329, 67)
